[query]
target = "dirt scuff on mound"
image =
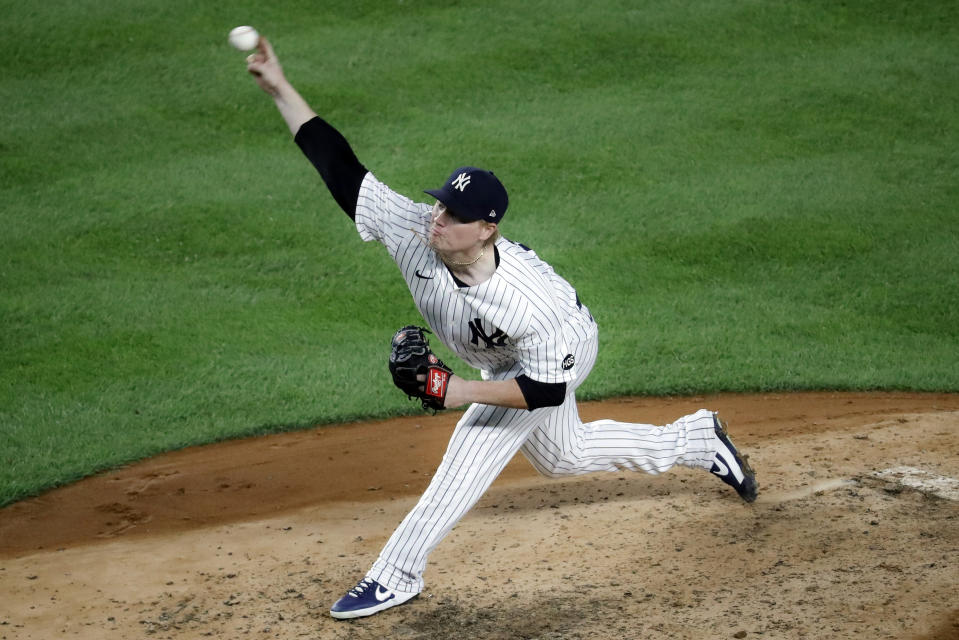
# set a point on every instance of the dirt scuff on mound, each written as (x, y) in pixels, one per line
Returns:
(258, 537)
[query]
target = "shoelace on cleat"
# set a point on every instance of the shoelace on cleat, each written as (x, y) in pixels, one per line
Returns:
(363, 585)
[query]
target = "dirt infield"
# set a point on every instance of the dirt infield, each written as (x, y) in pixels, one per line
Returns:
(855, 534)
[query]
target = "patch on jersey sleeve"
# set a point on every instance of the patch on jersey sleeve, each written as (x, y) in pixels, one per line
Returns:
(568, 362)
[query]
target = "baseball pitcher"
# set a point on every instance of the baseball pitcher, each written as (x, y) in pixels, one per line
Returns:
(503, 310)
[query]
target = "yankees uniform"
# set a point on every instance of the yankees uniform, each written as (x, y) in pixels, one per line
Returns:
(525, 323)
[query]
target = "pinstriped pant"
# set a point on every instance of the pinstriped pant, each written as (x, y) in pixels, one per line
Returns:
(555, 441)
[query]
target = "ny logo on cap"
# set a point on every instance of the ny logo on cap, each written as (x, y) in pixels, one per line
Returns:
(461, 181)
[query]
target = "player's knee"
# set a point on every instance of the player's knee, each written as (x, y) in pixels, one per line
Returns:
(551, 473)
(551, 469)
(541, 467)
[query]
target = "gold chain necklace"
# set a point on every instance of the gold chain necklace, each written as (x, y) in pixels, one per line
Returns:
(466, 264)
(454, 263)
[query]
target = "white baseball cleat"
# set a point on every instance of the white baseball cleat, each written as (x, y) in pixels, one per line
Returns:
(732, 468)
(366, 598)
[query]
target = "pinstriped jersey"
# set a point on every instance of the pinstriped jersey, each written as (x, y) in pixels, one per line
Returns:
(522, 320)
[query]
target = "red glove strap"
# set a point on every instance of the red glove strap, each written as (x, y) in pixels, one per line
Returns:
(436, 381)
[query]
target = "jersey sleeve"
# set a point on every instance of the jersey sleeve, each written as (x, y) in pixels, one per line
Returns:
(386, 216)
(543, 350)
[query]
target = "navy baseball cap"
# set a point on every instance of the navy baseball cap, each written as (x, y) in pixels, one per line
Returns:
(473, 194)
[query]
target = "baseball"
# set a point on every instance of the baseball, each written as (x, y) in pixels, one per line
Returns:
(244, 38)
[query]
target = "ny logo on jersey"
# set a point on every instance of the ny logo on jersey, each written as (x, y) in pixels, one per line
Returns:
(461, 181)
(495, 339)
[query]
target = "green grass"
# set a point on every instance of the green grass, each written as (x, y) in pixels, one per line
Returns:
(749, 196)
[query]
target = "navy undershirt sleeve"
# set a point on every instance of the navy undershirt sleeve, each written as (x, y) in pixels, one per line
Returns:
(335, 161)
(541, 394)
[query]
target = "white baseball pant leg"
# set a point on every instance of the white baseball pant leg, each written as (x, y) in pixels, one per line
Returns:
(555, 441)
(565, 445)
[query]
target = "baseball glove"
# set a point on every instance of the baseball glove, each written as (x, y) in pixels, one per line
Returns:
(410, 357)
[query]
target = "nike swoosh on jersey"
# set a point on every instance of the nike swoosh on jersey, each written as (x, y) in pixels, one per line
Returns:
(384, 595)
(420, 275)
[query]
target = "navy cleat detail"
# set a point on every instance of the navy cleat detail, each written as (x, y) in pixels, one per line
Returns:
(732, 468)
(366, 598)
